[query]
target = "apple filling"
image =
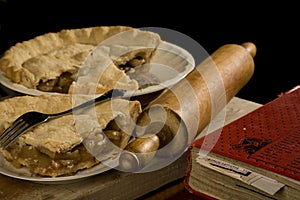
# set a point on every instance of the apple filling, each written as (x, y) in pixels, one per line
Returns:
(62, 83)
(94, 149)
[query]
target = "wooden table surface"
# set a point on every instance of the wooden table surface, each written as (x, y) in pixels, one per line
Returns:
(166, 183)
(171, 191)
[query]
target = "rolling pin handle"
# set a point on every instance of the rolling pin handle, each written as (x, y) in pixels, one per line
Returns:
(128, 161)
(138, 153)
(250, 47)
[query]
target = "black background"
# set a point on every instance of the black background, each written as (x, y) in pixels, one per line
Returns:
(272, 27)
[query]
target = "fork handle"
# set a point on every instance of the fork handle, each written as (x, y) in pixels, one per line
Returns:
(106, 96)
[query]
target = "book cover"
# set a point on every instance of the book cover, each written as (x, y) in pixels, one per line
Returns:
(255, 155)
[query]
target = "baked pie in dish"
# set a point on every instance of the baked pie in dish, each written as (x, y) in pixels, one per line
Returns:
(71, 143)
(73, 62)
(52, 62)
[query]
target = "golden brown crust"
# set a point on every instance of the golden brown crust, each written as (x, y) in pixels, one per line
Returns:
(47, 56)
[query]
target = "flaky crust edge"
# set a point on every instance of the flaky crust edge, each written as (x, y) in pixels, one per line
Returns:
(11, 62)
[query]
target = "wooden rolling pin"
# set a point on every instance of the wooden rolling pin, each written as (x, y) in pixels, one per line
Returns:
(172, 121)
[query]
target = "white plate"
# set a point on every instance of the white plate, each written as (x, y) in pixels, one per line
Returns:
(170, 64)
(23, 173)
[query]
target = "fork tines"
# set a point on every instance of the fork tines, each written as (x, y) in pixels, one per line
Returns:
(11, 133)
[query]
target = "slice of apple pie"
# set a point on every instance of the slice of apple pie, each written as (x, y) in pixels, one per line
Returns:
(70, 143)
(54, 61)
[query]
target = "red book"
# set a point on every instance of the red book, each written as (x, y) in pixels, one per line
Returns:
(255, 156)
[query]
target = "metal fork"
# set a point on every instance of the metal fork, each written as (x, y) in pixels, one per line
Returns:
(31, 119)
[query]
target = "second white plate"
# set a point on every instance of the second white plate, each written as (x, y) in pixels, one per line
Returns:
(169, 65)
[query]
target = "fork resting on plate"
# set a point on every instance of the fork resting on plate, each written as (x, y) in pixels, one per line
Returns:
(31, 119)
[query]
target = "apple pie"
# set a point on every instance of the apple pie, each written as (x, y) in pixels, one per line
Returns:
(68, 144)
(83, 60)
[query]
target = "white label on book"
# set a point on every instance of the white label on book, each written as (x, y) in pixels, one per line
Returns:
(254, 179)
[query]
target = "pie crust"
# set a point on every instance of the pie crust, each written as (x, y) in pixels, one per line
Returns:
(70, 143)
(52, 62)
